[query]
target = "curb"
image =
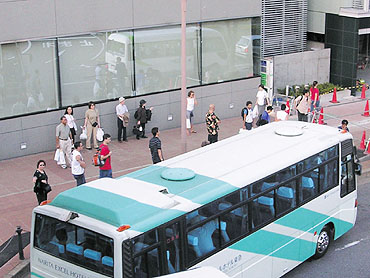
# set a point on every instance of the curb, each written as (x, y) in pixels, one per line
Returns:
(20, 270)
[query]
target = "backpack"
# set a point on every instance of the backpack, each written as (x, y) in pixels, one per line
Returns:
(242, 112)
(136, 115)
(97, 161)
(148, 114)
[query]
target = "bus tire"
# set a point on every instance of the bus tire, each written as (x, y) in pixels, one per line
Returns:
(323, 242)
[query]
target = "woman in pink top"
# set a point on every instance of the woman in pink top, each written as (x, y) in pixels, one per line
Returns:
(315, 98)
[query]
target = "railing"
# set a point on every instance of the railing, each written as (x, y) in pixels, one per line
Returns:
(14, 245)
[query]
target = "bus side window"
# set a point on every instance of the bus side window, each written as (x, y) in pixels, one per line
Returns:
(286, 197)
(347, 176)
(265, 208)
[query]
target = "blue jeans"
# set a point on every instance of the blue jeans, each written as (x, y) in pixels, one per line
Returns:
(80, 179)
(105, 173)
(317, 103)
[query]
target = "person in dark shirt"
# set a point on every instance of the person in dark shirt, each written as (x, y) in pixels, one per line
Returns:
(344, 127)
(155, 146)
(40, 179)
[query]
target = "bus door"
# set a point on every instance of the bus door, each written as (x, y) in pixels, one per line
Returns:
(173, 250)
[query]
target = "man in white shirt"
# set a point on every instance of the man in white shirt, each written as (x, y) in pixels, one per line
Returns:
(122, 119)
(262, 99)
(248, 116)
(78, 164)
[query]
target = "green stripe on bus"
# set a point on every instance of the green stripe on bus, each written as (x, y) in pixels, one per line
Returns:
(264, 243)
(304, 219)
(201, 189)
(113, 209)
(36, 275)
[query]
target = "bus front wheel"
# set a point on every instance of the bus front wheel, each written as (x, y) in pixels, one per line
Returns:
(323, 242)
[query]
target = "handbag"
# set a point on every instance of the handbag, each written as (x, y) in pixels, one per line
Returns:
(99, 134)
(83, 135)
(46, 187)
(57, 155)
(95, 124)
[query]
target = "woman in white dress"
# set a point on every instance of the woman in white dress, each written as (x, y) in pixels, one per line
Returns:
(71, 122)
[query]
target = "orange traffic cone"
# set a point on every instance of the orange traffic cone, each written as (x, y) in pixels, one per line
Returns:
(366, 112)
(362, 144)
(321, 117)
(334, 100)
(363, 94)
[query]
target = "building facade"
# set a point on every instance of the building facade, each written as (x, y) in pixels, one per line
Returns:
(344, 27)
(54, 54)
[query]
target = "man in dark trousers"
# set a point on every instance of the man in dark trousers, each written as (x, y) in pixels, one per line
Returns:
(155, 146)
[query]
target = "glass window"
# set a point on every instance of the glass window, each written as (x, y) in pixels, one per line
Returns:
(27, 77)
(309, 185)
(328, 176)
(204, 239)
(264, 208)
(173, 248)
(74, 244)
(236, 222)
(158, 58)
(147, 265)
(286, 197)
(347, 176)
(230, 49)
(95, 67)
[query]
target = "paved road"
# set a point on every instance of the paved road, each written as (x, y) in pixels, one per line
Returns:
(349, 255)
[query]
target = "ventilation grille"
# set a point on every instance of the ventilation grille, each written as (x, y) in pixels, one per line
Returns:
(284, 27)
(358, 4)
(346, 147)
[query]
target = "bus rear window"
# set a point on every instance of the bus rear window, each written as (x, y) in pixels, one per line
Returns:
(74, 244)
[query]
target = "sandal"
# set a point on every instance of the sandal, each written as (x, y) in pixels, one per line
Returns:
(193, 131)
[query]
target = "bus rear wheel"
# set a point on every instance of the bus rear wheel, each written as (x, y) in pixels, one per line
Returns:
(323, 242)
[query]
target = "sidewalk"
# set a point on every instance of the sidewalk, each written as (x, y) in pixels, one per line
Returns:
(17, 198)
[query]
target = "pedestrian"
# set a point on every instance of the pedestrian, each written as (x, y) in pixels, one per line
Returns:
(71, 122)
(190, 103)
(302, 104)
(155, 146)
(262, 99)
(248, 116)
(264, 118)
(78, 164)
(105, 171)
(344, 126)
(40, 179)
(315, 96)
(64, 142)
(281, 115)
(212, 122)
(123, 117)
(141, 115)
(92, 123)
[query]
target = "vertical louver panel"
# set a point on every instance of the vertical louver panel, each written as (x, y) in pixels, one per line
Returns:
(284, 27)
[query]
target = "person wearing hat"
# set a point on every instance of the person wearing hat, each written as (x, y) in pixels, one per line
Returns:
(141, 119)
(123, 117)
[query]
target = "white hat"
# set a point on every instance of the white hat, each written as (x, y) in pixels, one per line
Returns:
(121, 99)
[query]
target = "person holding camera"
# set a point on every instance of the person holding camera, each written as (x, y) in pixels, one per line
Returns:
(92, 123)
(142, 115)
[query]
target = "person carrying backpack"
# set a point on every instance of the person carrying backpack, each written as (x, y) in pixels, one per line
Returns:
(247, 115)
(142, 115)
(302, 104)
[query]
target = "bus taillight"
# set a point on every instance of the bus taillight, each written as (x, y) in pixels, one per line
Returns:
(356, 203)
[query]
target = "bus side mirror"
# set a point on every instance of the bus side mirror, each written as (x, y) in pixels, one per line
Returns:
(358, 169)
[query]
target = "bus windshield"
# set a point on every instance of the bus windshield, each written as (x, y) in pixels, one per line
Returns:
(74, 244)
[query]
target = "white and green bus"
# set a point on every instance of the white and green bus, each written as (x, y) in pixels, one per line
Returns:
(254, 205)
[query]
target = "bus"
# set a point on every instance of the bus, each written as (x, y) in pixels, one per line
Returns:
(256, 204)
(200, 272)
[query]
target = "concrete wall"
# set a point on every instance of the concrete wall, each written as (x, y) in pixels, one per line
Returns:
(317, 10)
(38, 131)
(301, 68)
(52, 18)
